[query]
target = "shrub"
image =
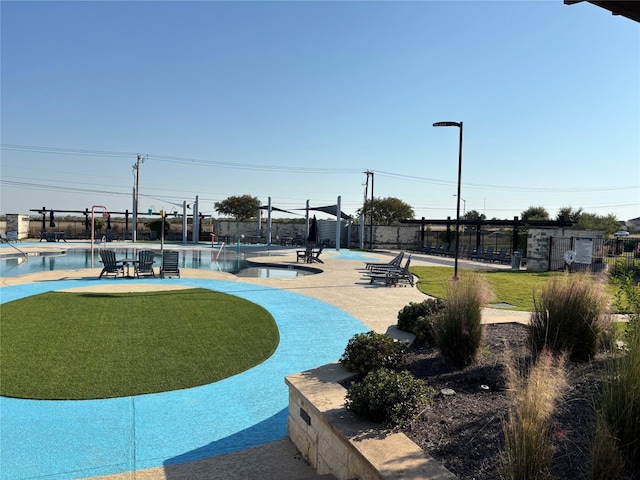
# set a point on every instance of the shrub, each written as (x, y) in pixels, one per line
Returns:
(388, 397)
(457, 330)
(368, 351)
(627, 296)
(417, 318)
(528, 445)
(569, 315)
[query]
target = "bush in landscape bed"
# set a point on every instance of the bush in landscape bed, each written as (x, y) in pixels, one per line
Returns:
(627, 296)
(368, 351)
(569, 315)
(528, 445)
(388, 397)
(457, 330)
(417, 318)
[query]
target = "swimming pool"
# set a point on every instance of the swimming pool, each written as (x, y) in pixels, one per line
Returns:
(78, 258)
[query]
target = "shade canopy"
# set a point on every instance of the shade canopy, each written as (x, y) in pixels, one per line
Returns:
(331, 210)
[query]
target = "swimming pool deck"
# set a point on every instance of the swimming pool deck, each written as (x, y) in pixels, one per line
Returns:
(341, 284)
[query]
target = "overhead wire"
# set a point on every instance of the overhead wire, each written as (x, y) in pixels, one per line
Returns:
(303, 170)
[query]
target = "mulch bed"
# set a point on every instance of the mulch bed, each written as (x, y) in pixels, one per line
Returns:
(464, 431)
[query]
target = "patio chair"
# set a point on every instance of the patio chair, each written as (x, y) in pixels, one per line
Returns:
(392, 276)
(304, 255)
(110, 265)
(502, 256)
(426, 248)
(471, 249)
(488, 255)
(479, 253)
(315, 256)
(451, 251)
(442, 249)
(395, 262)
(169, 266)
(145, 263)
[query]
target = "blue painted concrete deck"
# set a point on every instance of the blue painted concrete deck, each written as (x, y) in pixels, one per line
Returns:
(72, 439)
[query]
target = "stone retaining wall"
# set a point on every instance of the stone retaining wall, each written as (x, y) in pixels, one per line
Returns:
(336, 442)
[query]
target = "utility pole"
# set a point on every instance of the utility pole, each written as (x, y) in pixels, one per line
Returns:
(136, 197)
(371, 226)
(369, 173)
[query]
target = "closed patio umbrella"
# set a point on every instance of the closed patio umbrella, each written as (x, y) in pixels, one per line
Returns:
(313, 231)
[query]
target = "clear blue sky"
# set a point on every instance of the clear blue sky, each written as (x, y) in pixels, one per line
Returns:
(295, 100)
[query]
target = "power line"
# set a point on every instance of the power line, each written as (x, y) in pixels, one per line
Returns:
(301, 170)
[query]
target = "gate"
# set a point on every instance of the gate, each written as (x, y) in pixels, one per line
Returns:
(584, 254)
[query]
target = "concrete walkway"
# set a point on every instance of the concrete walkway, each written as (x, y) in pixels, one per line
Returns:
(342, 284)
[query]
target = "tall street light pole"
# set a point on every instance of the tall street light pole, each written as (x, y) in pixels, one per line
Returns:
(464, 205)
(459, 125)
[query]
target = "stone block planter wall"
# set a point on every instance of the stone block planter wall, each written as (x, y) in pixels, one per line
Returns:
(334, 441)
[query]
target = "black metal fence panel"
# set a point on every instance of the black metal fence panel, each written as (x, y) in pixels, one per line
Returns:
(614, 255)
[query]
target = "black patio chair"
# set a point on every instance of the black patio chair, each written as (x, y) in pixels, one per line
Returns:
(169, 266)
(111, 265)
(145, 263)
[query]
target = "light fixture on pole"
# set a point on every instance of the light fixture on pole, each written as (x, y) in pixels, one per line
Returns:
(459, 125)
(464, 205)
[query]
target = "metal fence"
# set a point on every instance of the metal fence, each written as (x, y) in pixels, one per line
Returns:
(616, 256)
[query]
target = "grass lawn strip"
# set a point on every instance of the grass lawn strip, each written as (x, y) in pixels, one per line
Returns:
(513, 287)
(93, 345)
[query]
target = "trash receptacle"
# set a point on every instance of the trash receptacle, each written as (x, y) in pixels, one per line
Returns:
(515, 261)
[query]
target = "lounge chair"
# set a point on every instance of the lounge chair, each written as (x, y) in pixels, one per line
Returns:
(479, 253)
(395, 262)
(144, 267)
(442, 249)
(426, 248)
(488, 255)
(392, 276)
(469, 251)
(111, 265)
(502, 256)
(451, 251)
(169, 266)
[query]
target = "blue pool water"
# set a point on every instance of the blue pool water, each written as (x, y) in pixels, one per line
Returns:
(77, 258)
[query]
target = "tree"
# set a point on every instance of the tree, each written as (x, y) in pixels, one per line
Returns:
(569, 214)
(473, 215)
(591, 221)
(386, 211)
(243, 207)
(534, 213)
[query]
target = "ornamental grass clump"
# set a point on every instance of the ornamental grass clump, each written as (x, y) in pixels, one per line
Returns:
(457, 331)
(570, 315)
(528, 446)
(369, 351)
(388, 397)
(619, 411)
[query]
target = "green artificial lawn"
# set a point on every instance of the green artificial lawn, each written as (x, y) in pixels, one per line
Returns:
(87, 345)
(512, 287)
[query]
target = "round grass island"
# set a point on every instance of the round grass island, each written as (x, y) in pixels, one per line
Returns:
(75, 346)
